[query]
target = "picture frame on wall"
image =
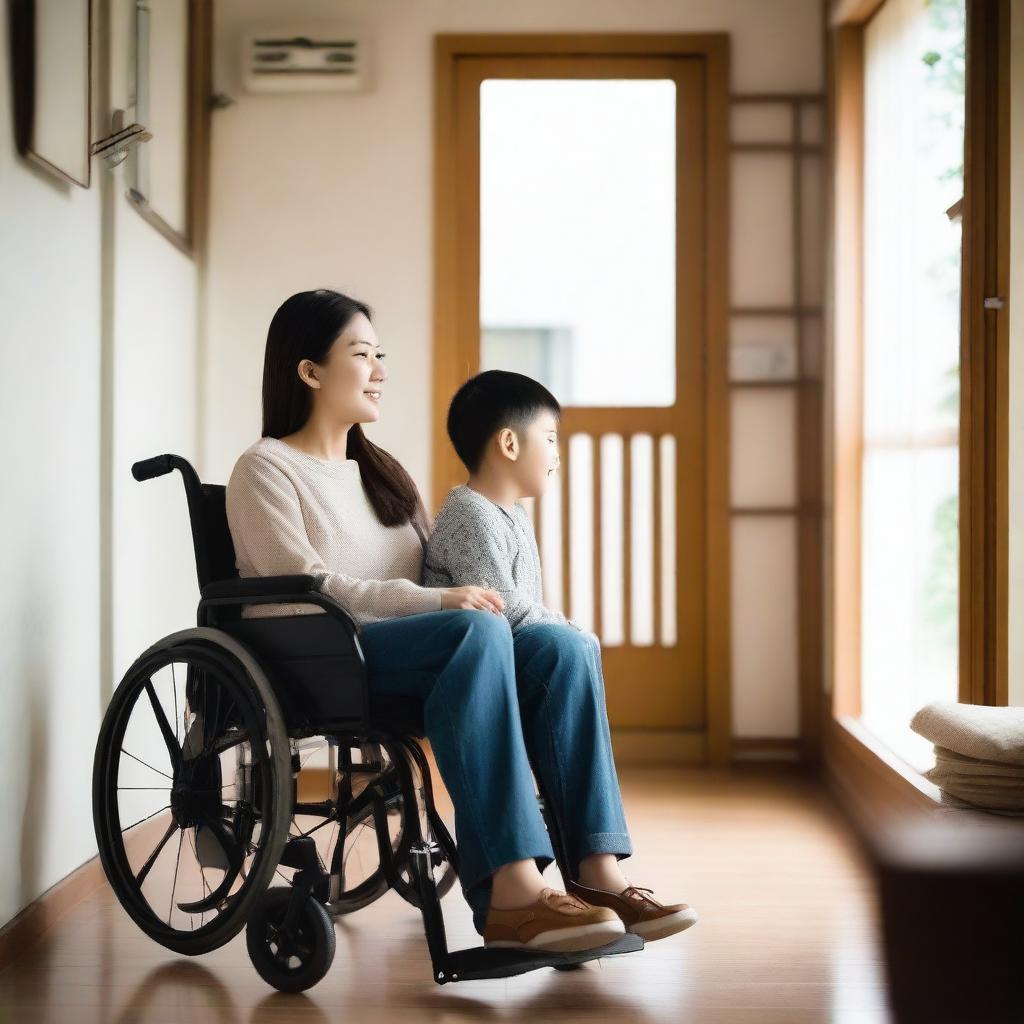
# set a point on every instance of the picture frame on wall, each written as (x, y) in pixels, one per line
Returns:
(51, 62)
(160, 174)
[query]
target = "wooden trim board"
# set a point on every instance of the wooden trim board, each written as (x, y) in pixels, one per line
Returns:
(31, 923)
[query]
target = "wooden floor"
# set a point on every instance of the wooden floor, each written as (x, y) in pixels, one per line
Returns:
(786, 935)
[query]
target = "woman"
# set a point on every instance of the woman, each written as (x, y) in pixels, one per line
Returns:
(315, 496)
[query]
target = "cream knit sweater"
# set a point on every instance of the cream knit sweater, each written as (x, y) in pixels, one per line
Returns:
(293, 513)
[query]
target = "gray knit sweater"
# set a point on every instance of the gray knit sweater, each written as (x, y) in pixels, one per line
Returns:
(476, 542)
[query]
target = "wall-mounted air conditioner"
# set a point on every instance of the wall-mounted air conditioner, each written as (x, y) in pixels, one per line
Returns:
(307, 58)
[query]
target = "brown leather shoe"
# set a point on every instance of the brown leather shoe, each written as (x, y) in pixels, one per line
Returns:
(642, 915)
(555, 922)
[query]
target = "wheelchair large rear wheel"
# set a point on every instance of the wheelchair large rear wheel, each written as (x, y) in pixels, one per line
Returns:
(192, 789)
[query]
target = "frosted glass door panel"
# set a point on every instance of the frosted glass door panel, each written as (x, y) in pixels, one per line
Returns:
(761, 254)
(763, 448)
(764, 628)
(577, 236)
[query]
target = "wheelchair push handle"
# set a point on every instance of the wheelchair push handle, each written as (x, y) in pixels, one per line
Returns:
(159, 465)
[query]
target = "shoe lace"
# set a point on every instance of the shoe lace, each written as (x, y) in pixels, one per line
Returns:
(567, 899)
(634, 891)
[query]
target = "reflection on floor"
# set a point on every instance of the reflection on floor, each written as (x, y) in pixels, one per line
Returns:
(786, 935)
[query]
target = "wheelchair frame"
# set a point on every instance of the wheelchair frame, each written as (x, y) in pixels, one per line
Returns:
(304, 660)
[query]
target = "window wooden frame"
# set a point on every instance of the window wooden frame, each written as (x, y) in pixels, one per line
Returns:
(984, 346)
(985, 340)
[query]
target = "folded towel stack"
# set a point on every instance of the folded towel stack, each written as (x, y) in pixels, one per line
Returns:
(979, 754)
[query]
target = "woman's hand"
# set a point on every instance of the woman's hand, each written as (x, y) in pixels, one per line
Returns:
(472, 597)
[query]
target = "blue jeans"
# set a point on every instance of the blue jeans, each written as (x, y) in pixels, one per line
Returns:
(491, 705)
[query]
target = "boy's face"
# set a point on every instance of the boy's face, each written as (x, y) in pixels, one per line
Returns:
(532, 454)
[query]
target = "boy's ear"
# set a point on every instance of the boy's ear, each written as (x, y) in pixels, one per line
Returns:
(508, 443)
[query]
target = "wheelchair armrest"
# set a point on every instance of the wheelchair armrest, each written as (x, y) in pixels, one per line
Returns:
(259, 586)
(298, 589)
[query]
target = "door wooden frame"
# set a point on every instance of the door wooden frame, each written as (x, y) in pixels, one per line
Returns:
(713, 50)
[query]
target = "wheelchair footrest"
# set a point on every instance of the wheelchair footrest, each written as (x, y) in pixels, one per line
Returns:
(500, 962)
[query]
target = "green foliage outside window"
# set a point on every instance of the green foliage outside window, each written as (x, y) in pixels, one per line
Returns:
(946, 73)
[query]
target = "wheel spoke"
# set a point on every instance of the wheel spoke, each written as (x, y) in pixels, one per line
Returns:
(159, 810)
(141, 876)
(145, 764)
(170, 738)
(186, 744)
(174, 884)
(316, 828)
(193, 839)
(174, 692)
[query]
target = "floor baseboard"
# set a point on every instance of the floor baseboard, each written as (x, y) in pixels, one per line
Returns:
(33, 921)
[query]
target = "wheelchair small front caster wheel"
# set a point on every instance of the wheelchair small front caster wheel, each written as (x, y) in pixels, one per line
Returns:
(290, 959)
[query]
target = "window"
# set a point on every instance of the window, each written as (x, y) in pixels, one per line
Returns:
(577, 236)
(913, 183)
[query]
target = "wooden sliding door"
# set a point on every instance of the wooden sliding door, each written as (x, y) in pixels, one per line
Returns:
(576, 241)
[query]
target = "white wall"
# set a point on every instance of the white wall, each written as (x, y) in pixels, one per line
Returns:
(1016, 311)
(98, 370)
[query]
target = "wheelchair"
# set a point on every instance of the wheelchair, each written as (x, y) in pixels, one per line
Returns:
(196, 781)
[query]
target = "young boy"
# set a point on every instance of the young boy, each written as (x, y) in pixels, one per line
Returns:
(504, 427)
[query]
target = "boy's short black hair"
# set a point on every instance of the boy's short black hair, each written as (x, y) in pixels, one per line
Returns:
(489, 401)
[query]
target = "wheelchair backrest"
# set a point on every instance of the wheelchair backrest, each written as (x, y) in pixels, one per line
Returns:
(211, 538)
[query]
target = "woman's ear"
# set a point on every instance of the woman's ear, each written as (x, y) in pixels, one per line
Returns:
(307, 371)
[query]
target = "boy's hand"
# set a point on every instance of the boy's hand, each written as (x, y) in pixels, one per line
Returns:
(472, 597)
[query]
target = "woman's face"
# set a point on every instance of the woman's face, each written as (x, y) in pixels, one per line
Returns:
(350, 383)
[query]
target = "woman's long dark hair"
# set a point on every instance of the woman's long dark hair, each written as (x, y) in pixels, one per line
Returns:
(305, 326)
